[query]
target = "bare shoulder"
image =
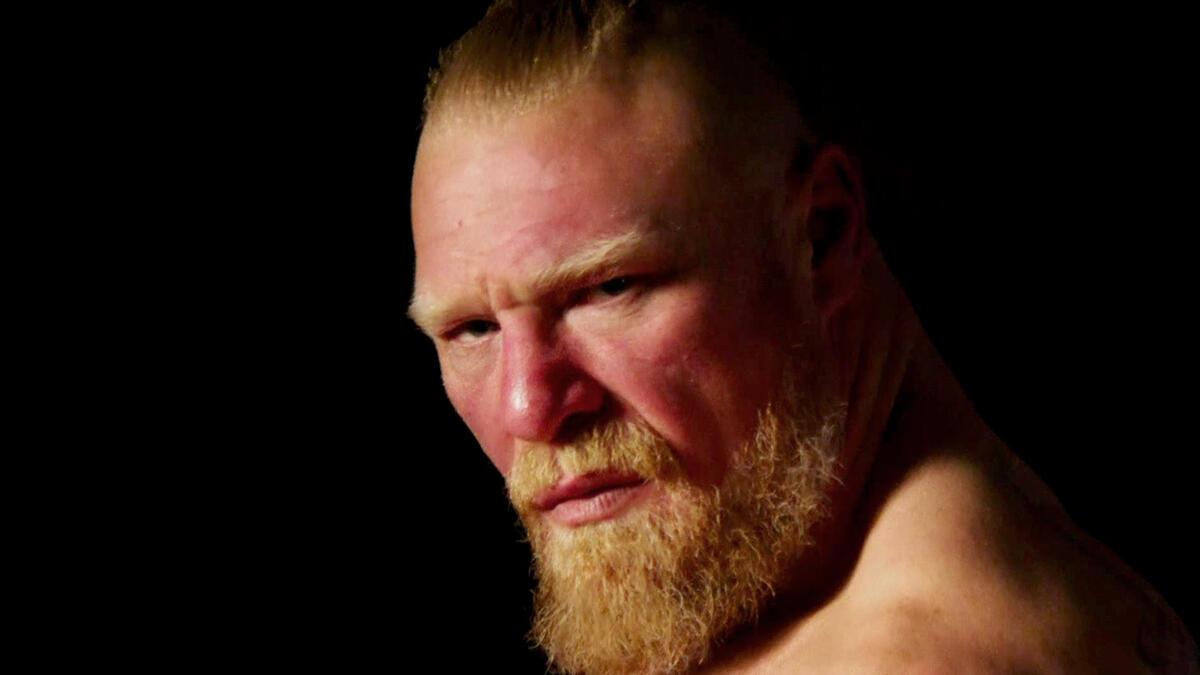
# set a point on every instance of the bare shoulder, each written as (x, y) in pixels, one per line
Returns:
(912, 639)
(908, 636)
(916, 638)
(967, 568)
(1119, 617)
(976, 569)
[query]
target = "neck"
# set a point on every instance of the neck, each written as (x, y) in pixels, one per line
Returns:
(903, 406)
(893, 381)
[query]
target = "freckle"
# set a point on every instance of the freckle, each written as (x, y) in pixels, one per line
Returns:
(459, 223)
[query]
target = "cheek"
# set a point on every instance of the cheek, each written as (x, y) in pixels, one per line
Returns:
(681, 374)
(728, 370)
(468, 399)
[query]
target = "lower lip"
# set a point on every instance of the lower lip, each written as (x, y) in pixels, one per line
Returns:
(597, 507)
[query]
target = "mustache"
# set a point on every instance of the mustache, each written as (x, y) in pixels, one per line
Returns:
(629, 447)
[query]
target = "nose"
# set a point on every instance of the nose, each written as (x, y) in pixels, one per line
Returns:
(544, 386)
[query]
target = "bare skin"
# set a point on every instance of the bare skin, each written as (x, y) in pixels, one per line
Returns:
(965, 563)
(943, 552)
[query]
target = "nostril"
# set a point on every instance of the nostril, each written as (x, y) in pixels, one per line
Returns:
(577, 424)
(572, 428)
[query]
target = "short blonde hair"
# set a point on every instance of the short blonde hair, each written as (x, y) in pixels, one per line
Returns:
(524, 54)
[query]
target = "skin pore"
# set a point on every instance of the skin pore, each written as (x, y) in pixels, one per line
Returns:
(574, 269)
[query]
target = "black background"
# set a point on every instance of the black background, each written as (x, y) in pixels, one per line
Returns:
(322, 500)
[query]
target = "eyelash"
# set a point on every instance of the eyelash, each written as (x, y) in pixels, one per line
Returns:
(622, 284)
(482, 325)
(608, 289)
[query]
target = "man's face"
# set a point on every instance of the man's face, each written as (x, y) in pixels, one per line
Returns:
(611, 329)
(573, 271)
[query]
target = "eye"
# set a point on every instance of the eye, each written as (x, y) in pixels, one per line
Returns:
(478, 327)
(622, 288)
(615, 287)
(471, 330)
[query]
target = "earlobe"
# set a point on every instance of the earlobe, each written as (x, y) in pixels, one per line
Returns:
(836, 229)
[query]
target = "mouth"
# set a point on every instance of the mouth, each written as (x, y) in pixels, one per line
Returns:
(591, 497)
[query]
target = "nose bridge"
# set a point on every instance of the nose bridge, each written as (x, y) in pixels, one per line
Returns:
(542, 384)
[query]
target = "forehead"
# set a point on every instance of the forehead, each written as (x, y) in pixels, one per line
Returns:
(518, 192)
(597, 128)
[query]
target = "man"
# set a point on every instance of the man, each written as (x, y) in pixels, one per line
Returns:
(657, 305)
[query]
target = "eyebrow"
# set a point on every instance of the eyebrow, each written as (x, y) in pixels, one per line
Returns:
(591, 263)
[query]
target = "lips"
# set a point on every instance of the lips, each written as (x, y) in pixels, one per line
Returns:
(587, 486)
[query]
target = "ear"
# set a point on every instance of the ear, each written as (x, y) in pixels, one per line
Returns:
(836, 215)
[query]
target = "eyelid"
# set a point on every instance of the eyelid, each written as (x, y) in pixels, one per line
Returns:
(596, 293)
(592, 293)
(458, 330)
